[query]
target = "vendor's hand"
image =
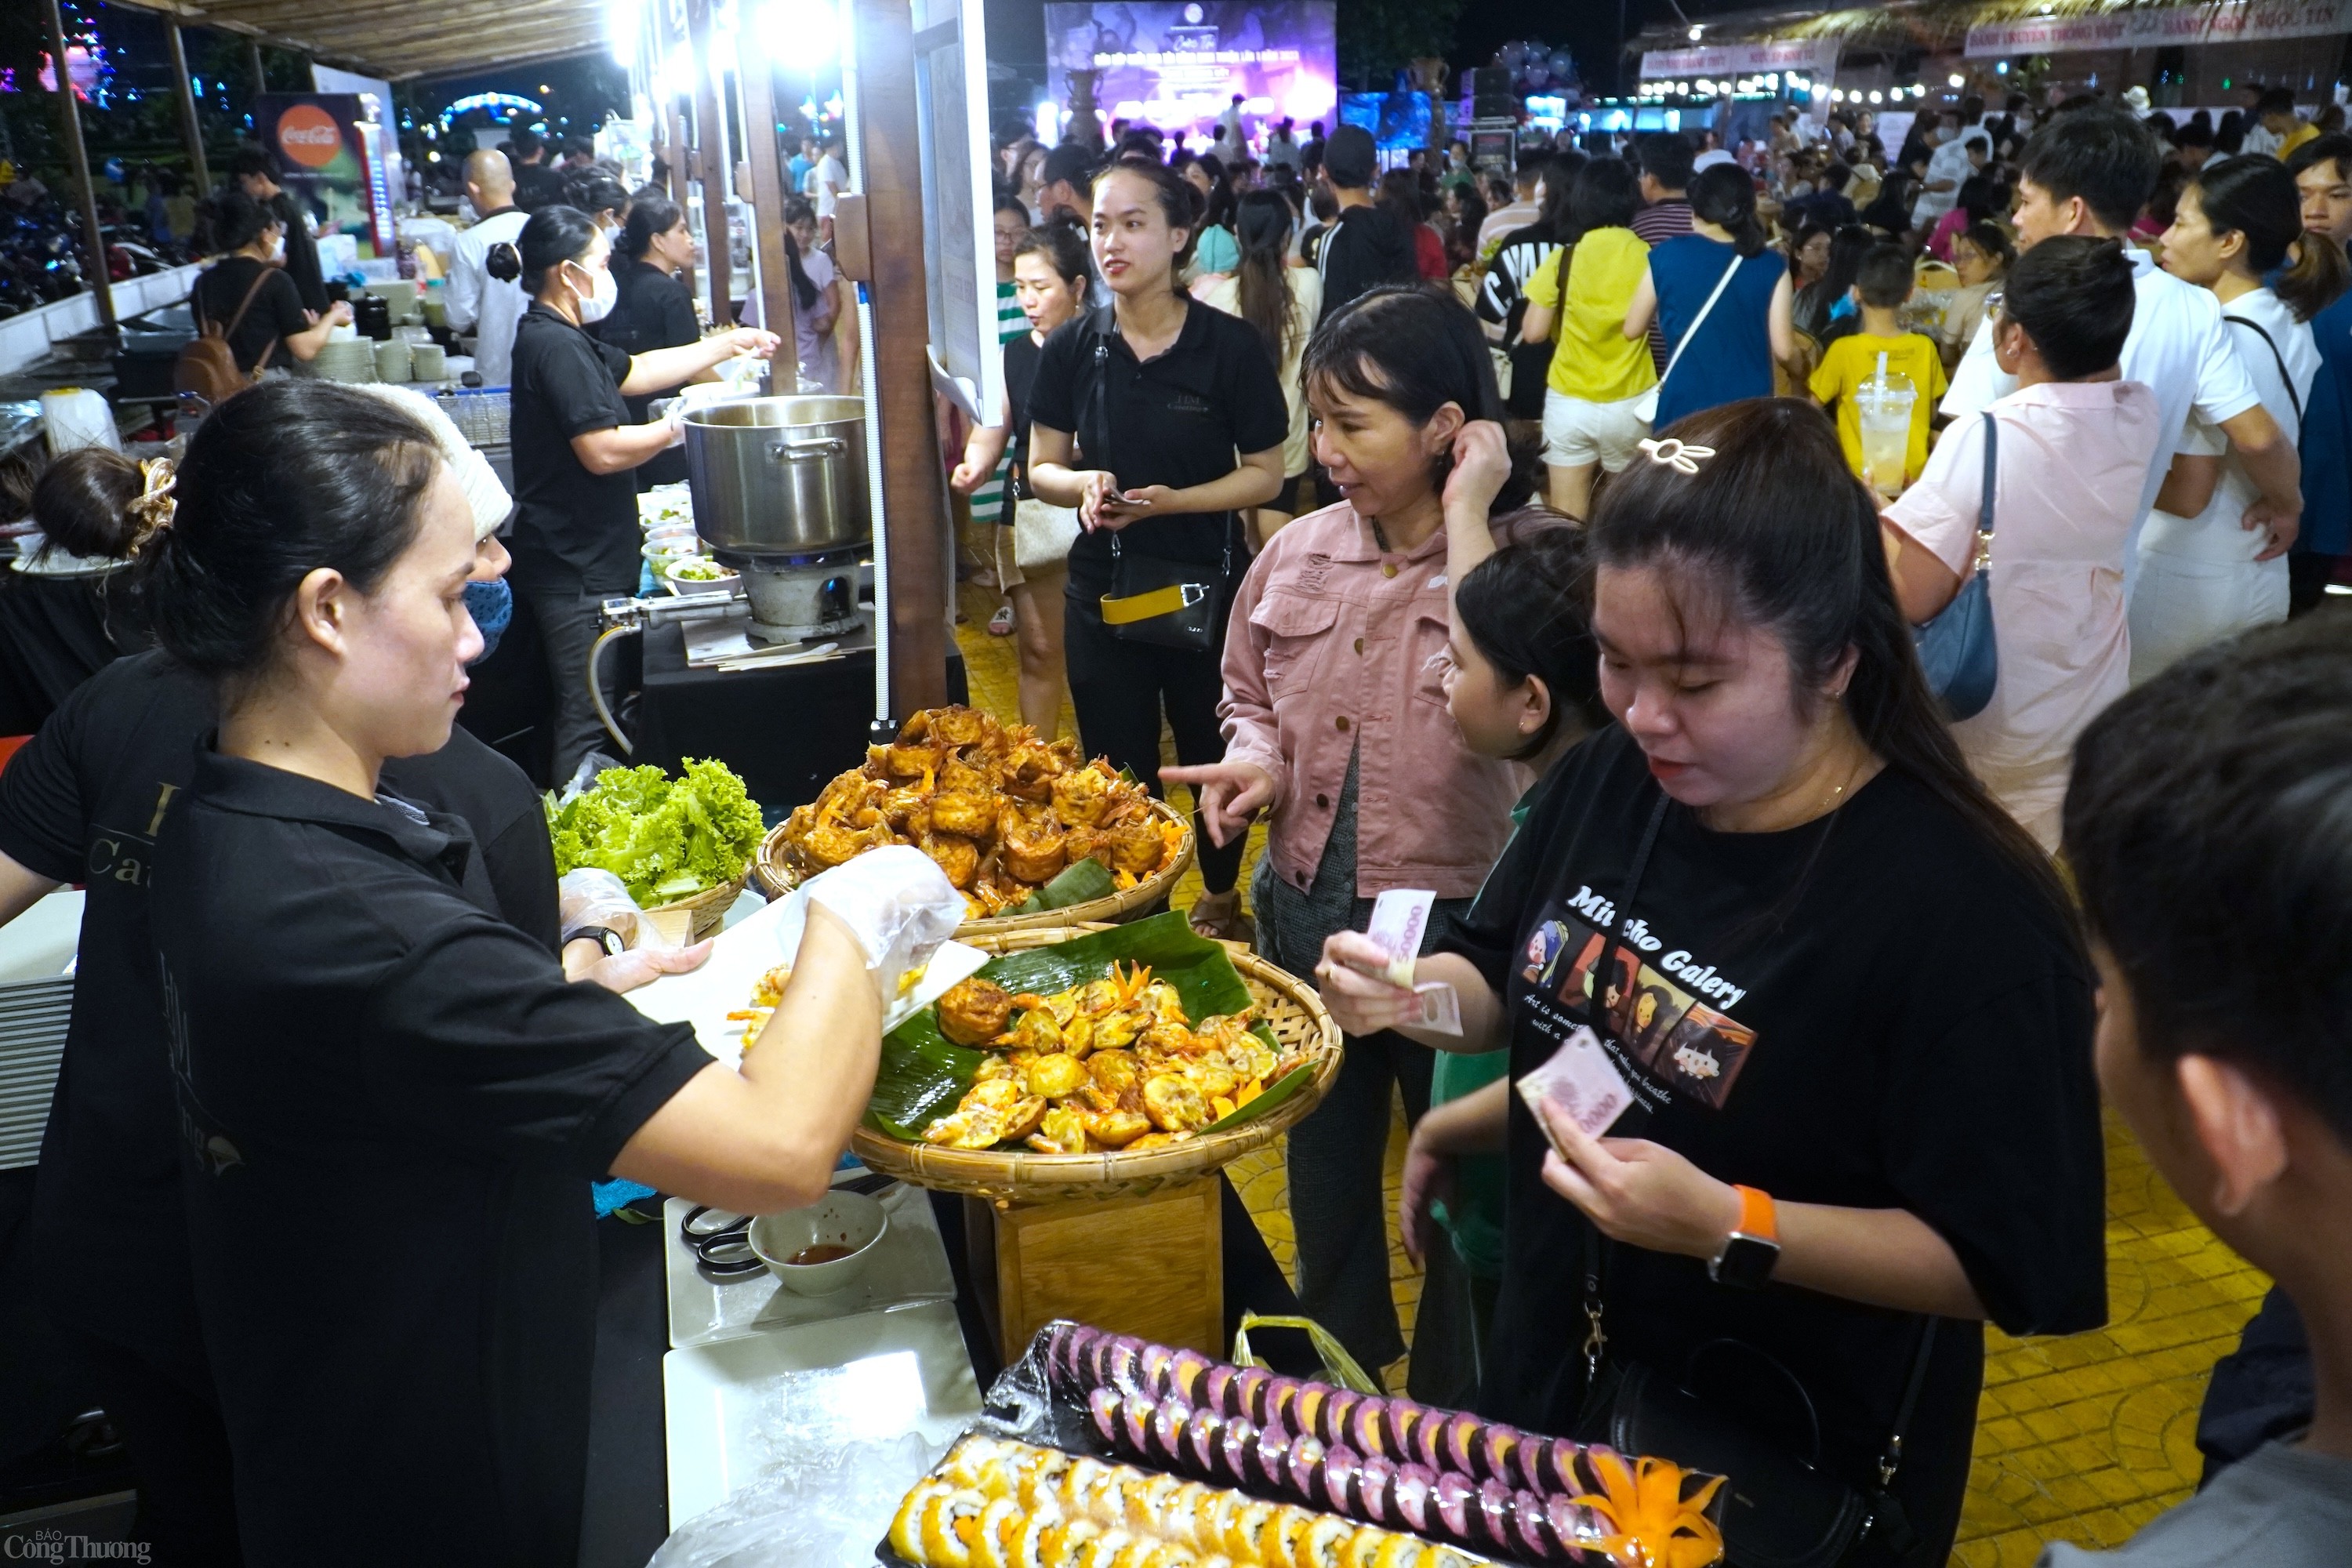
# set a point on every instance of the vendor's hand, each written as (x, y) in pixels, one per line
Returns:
(1349, 980)
(2278, 528)
(896, 902)
(1123, 507)
(1482, 464)
(750, 341)
(339, 312)
(1428, 1178)
(1231, 795)
(1640, 1193)
(1097, 487)
(967, 476)
(624, 972)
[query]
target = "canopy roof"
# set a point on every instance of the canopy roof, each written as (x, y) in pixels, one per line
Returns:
(396, 38)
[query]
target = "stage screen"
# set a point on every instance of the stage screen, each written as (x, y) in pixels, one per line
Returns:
(1177, 63)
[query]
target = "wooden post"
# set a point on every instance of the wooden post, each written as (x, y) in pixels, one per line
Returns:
(190, 126)
(915, 512)
(767, 198)
(77, 159)
(710, 138)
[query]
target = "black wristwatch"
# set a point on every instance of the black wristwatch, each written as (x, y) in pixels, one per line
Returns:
(1750, 1252)
(605, 937)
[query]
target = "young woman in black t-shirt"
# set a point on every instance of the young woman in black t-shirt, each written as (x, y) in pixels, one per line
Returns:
(652, 309)
(252, 278)
(1158, 420)
(1051, 275)
(576, 448)
(1873, 1105)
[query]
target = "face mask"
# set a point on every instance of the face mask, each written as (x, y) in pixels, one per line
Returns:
(595, 307)
(466, 210)
(278, 249)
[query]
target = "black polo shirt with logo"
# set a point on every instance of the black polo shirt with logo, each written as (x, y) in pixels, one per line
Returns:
(391, 1105)
(1179, 419)
(83, 802)
(575, 531)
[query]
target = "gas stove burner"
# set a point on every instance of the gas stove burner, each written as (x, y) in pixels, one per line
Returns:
(798, 598)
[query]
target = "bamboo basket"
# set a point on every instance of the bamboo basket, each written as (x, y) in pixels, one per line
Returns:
(704, 913)
(775, 878)
(1287, 1005)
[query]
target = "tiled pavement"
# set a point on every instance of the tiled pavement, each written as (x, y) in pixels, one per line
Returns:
(2083, 1438)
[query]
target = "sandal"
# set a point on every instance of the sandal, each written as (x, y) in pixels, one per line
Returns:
(1000, 625)
(1218, 916)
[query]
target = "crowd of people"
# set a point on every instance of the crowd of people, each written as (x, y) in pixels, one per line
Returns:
(1545, 574)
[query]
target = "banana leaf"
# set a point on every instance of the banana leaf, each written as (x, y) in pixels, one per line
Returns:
(1082, 883)
(923, 1073)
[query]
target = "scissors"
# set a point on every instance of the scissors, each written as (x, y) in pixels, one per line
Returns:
(721, 1242)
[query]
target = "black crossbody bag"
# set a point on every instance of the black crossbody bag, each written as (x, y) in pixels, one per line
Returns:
(1168, 603)
(1780, 1508)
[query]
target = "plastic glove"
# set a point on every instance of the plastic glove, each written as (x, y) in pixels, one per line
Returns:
(898, 904)
(592, 896)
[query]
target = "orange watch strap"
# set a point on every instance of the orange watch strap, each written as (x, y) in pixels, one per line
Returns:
(1756, 1215)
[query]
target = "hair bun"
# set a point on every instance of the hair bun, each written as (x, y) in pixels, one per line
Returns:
(504, 262)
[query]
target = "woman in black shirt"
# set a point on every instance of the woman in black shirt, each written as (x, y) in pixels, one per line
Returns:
(652, 309)
(1157, 419)
(248, 294)
(576, 448)
(348, 1017)
(1051, 275)
(67, 609)
(1874, 1106)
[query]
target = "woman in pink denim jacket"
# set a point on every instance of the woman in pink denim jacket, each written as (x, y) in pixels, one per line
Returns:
(1335, 724)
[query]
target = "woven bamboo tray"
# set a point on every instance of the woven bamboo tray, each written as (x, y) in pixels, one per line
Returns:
(1287, 1005)
(705, 911)
(775, 879)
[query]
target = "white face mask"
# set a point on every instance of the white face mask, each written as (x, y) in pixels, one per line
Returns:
(598, 305)
(278, 249)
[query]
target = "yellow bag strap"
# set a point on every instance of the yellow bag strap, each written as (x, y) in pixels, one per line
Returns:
(1337, 1362)
(1165, 601)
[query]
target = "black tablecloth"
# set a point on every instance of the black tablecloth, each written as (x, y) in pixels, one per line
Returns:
(627, 1514)
(785, 731)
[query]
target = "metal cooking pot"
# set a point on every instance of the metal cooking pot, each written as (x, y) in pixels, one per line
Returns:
(779, 476)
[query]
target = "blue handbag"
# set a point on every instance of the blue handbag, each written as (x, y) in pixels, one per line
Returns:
(1955, 648)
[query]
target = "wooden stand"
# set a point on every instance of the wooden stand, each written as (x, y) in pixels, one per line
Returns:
(1152, 1267)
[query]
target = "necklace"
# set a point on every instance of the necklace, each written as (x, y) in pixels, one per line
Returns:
(1380, 538)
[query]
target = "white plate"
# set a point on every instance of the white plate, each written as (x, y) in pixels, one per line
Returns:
(748, 949)
(910, 1267)
(899, 1372)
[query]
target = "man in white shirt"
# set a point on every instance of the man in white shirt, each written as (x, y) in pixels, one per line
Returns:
(2258, 138)
(1526, 182)
(2091, 171)
(1229, 126)
(829, 179)
(478, 302)
(1958, 154)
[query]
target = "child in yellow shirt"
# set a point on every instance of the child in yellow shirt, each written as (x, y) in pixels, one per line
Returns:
(1882, 287)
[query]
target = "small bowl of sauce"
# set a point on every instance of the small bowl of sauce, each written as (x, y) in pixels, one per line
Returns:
(825, 1248)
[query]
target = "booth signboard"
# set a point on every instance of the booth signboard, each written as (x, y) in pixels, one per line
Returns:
(960, 259)
(2163, 27)
(1817, 55)
(326, 163)
(1494, 145)
(1177, 63)
(390, 180)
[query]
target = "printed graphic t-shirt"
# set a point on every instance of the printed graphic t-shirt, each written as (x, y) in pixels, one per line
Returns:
(1869, 1010)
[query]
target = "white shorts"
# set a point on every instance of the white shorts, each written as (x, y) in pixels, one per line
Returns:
(1576, 432)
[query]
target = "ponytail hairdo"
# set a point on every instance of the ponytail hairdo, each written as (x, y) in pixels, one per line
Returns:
(552, 236)
(1724, 195)
(1262, 235)
(282, 480)
(1775, 531)
(1179, 204)
(1064, 246)
(1528, 609)
(650, 216)
(2256, 196)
